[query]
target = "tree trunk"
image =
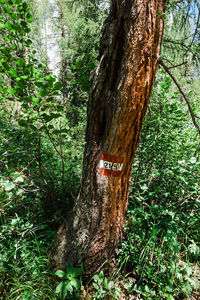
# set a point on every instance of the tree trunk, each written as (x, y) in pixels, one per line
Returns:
(122, 85)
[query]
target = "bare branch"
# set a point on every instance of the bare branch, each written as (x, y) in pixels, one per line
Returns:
(175, 42)
(182, 93)
(196, 30)
(179, 65)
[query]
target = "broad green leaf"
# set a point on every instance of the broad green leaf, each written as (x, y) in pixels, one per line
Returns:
(96, 286)
(96, 277)
(13, 74)
(21, 62)
(35, 100)
(75, 283)
(24, 77)
(60, 273)
(6, 50)
(19, 179)
(73, 272)
(11, 91)
(59, 287)
(5, 65)
(69, 287)
(9, 186)
(57, 85)
(29, 18)
(8, 25)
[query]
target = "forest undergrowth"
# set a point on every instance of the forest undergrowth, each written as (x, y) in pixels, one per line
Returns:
(42, 127)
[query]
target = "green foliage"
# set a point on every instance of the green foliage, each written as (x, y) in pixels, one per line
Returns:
(35, 96)
(42, 124)
(24, 245)
(39, 161)
(70, 285)
(161, 249)
(104, 287)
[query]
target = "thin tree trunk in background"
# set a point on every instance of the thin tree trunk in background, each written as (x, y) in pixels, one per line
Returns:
(63, 67)
(122, 85)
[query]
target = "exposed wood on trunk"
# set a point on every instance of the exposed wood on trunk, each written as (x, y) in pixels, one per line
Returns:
(122, 85)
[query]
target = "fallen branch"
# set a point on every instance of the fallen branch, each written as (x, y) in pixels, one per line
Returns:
(182, 93)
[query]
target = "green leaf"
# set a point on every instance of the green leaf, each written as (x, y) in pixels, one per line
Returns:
(21, 62)
(96, 286)
(194, 248)
(105, 282)
(49, 77)
(101, 275)
(6, 66)
(11, 91)
(57, 85)
(35, 100)
(111, 285)
(34, 128)
(6, 50)
(68, 286)
(75, 283)
(8, 25)
(24, 77)
(19, 179)
(60, 273)
(9, 186)
(59, 287)
(62, 290)
(13, 74)
(42, 93)
(29, 18)
(96, 277)
(74, 272)
(169, 297)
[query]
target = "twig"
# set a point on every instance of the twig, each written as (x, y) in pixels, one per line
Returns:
(196, 29)
(175, 42)
(182, 93)
(51, 140)
(179, 65)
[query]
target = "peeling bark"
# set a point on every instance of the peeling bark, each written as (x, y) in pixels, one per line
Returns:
(122, 85)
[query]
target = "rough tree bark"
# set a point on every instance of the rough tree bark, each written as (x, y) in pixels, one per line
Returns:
(122, 85)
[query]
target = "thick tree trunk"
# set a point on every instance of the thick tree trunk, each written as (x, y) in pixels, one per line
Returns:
(122, 85)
